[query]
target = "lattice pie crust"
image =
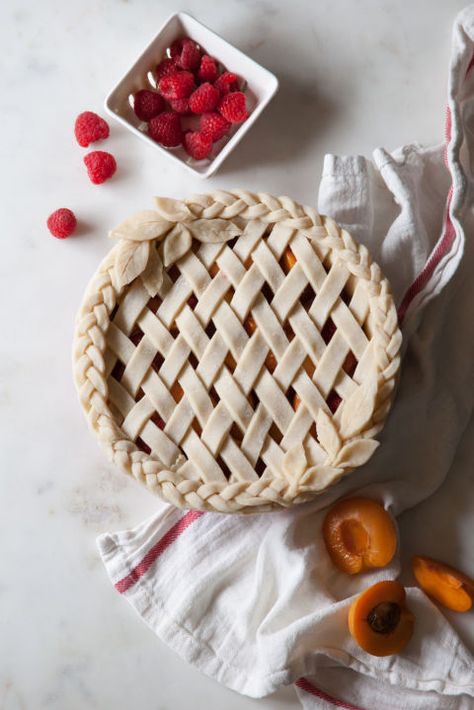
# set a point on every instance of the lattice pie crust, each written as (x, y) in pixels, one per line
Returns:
(236, 351)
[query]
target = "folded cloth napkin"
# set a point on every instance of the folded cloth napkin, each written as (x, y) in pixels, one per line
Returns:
(255, 602)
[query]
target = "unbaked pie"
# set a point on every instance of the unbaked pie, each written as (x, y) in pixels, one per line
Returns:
(236, 352)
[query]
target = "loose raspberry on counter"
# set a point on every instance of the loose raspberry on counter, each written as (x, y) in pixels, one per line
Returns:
(166, 129)
(165, 68)
(197, 144)
(177, 86)
(100, 166)
(204, 99)
(181, 106)
(233, 107)
(147, 104)
(62, 223)
(208, 70)
(214, 125)
(89, 127)
(226, 82)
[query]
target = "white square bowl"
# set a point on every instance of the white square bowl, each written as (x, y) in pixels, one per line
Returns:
(261, 85)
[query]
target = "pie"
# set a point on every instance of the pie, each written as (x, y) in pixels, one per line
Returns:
(236, 352)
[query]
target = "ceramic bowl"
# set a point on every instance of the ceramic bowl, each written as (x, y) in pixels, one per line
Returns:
(261, 86)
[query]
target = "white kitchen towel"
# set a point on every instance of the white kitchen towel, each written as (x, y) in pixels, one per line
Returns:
(255, 601)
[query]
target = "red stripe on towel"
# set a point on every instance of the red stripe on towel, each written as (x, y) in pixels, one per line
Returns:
(446, 241)
(470, 65)
(308, 687)
(444, 244)
(158, 548)
(441, 249)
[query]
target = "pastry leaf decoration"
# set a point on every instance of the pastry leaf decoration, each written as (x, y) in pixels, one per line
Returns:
(131, 260)
(294, 463)
(316, 478)
(214, 230)
(356, 452)
(174, 224)
(152, 276)
(327, 434)
(173, 210)
(177, 244)
(358, 409)
(142, 226)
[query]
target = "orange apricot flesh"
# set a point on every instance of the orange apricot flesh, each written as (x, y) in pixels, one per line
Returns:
(288, 259)
(447, 585)
(359, 535)
(379, 620)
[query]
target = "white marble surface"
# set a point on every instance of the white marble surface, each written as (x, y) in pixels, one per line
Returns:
(353, 76)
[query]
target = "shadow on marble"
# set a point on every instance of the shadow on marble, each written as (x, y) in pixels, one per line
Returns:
(84, 228)
(298, 117)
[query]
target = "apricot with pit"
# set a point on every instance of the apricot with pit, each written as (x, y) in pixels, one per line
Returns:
(379, 619)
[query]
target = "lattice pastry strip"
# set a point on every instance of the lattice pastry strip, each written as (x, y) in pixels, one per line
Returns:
(236, 351)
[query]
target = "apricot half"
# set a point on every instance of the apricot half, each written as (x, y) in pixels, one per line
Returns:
(379, 620)
(447, 585)
(359, 534)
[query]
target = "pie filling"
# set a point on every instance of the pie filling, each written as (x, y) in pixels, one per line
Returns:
(328, 330)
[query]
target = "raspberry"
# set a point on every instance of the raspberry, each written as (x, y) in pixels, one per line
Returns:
(208, 70)
(100, 166)
(175, 49)
(204, 99)
(166, 129)
(233, 107)
(165, 68)
(186, 53)
(147, 104)
(190, 57)
(90, 127)
(197, 144)
(214, 125)
(62, 223)
(228, 81)
(177, 86)
(181, 106)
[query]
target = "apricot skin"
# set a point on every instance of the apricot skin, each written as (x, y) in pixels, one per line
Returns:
(377, 639)
(445, 584)
(359, 535)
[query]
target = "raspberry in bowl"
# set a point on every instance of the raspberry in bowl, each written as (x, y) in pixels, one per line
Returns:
(192, 95)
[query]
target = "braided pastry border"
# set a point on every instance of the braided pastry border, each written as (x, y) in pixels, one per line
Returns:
(90, 344)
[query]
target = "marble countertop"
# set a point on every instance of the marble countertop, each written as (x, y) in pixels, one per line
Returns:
(351, 77)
